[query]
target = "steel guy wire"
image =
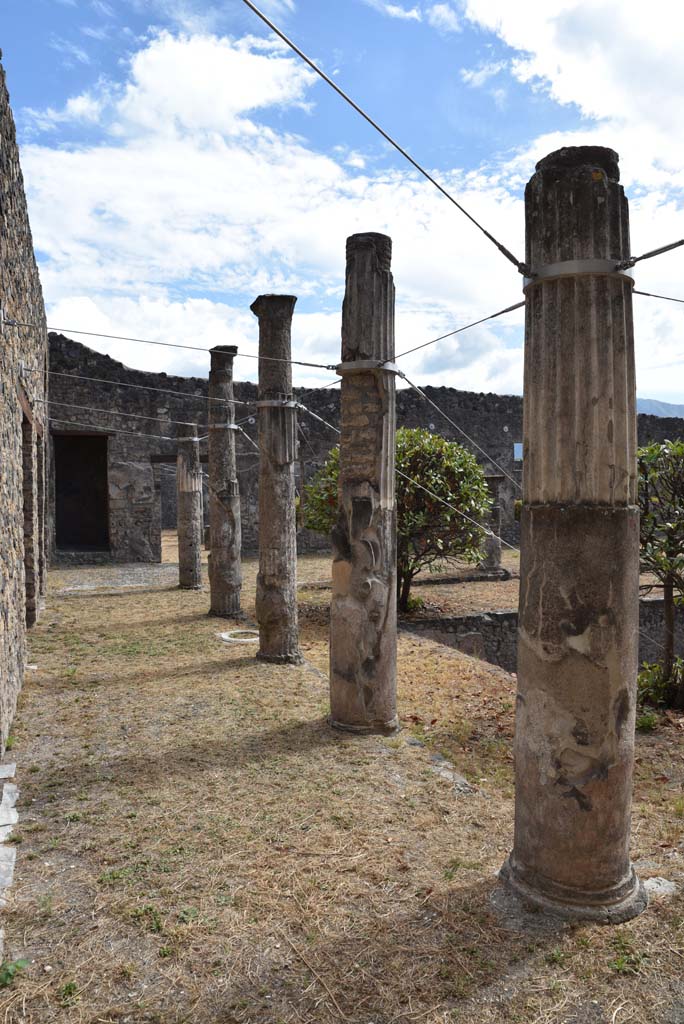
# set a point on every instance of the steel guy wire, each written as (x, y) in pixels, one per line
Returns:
(487, 530)
(311, 391)
(651, 639)
(651, 295)
(173, 344)
(251, 440)
(459, 429)
(450, 334)
(432, 494)
(632, 260)
(319, 418)
(112, 430)
(247, 355)
(521, 267)
(146, 387)
(110, 412)
(306, 440)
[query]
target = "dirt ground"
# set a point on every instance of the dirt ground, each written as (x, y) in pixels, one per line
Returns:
(196, 845)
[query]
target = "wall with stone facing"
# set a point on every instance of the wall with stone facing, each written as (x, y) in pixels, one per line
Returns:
(141, 446)
(494, 422)
(23, 355)
(493, 636)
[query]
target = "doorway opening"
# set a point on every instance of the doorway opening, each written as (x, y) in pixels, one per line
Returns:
(81, 494)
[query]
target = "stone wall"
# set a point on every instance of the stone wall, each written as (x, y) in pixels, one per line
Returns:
(23, 356)
(141, 446)
(493, 422)
(493, 636)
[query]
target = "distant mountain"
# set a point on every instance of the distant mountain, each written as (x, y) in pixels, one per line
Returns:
(655, 408)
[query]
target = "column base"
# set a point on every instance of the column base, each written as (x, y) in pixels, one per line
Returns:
(630, 900)
(374, 729)
(281, 659)
(237, 615)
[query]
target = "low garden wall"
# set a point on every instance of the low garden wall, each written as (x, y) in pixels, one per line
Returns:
(493, 636)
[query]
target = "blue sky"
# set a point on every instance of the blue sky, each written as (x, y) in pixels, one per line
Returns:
(179, 161)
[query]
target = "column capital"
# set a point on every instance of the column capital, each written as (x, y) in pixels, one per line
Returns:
(275, 306)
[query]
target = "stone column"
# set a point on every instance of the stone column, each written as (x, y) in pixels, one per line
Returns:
(579, 614)
(363, 613)
(225, 576)
(276, 597)
(189, 480)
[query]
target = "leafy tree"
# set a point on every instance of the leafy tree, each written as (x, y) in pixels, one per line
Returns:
(661, 499)
(428, 531)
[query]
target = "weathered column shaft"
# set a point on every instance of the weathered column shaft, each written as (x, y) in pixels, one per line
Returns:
(363, 614)
(578, 623)
(225, 575)
(189, 481)
(276, 598)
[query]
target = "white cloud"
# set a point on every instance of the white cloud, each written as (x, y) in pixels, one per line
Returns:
(443, 17)
(208, 83)
(103, 8)
(188, 207)
(70, 52)
(618, 61)
(396, 10)
(476, 77)
(85, 108)
(220, 205)
(95, 33)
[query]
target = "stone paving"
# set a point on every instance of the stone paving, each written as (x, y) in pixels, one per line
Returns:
(113, 577)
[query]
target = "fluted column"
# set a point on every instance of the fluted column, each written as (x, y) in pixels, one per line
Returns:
(225, 573)
(363, 613)
(276, 597)
(189, 482)
(578, 622)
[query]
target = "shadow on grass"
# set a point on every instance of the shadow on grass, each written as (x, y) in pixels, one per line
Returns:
(432, 957)
(148, 768)
(123, 591)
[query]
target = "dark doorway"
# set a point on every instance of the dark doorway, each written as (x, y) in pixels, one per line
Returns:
(81, 505)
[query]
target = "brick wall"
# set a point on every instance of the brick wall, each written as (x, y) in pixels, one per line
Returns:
(23, 354)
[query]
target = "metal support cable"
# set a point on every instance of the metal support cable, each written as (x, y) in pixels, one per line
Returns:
(651, 639)
(170, 344)
(109, 412)
(450, 334)
(487, 530)
(313, 391)
(251, 440)
(306, 440)
(632, 260)
(113, 430)
(521, 267)
(432, 494)
(317, 417)
(459, 429)
(146, 387)
(250, 466)
(651, 295)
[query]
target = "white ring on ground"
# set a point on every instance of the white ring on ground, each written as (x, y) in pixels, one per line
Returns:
(231, 636)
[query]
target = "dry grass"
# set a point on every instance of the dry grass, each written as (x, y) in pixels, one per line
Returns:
(197, 846)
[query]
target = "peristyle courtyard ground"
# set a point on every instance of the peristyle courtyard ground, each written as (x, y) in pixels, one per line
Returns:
(196, 845)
